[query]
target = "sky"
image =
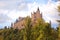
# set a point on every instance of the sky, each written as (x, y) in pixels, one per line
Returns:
(10, 10)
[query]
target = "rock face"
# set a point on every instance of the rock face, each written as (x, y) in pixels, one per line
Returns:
(21, 21)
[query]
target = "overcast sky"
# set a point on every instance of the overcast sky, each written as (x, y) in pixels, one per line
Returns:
(10, 10)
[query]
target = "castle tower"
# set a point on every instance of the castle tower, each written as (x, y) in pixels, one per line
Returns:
(20, 22)
(36, 15)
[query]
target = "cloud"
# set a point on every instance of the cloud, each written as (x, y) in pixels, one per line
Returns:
(48, 10)
(4, 18)
(2, 4)
(15, 8)
(50, 13)
(8, 4)
(22, 6)
(12, 4)
(3, 11)
(58, 0)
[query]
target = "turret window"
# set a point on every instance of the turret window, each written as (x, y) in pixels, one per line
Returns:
(34, 16)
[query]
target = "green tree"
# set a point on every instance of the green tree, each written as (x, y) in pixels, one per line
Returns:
(28, 28)
(58, 30)
(58, 8)
(59, 22)
(44, 29)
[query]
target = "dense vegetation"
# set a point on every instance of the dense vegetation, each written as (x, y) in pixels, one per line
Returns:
(40, 31)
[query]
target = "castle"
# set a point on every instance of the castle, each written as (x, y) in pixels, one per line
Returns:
(20, 22)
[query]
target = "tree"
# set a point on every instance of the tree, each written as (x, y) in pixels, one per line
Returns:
(28, 28)
(58, 30)
(58, 8)
(44, 29)
(58, 22)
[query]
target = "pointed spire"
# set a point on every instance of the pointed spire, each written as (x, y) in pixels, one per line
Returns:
(38, 9)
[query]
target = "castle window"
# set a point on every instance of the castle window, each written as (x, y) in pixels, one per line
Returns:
(22, 25)
(34, 16)
(16, 20)
(34, 19)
